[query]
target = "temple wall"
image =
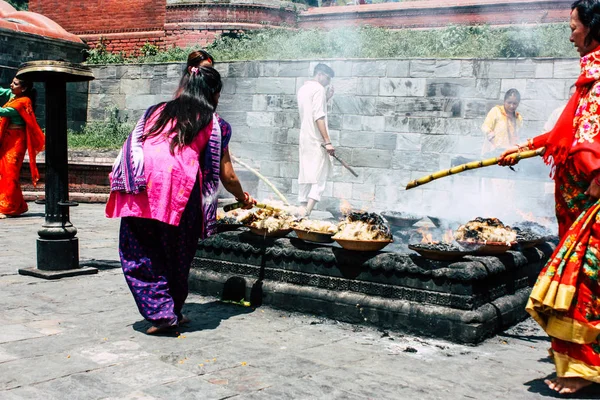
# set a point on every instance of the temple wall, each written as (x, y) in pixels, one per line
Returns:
(18, 47)
(392, 120)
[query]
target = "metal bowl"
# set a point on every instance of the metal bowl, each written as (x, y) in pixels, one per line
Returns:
(363, 245)
(311, 236)
(265, 233)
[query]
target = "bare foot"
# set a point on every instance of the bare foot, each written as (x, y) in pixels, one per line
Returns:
(184, 320)
(156, 330)
(2, 216)
(567, 385)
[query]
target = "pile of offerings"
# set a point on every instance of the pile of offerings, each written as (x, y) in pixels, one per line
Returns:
(363, 226)
(363, 231)
(265, 221)
(233, 217)
(485, 231)
(314, 230)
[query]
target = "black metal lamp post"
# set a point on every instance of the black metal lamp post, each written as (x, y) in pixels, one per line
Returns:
(57, 246)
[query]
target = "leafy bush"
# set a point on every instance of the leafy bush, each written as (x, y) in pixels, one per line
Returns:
(370, 42)
(551, 40)
(100, 55)
(107, 134)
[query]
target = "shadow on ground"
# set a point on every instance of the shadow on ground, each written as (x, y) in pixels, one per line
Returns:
(203, 316)
(101, 264)
(538, 386)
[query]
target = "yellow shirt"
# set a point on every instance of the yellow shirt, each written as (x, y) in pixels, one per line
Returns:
(500, 131)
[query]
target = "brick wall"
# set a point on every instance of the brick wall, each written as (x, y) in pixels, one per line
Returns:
(103, 16)
(392, 120)
(123, 25)
(18, 47)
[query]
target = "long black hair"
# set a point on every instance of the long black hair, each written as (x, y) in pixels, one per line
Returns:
(192, 110)
(28, 91)
(589, 15)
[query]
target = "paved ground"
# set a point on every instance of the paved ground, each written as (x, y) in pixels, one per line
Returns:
(82, 338)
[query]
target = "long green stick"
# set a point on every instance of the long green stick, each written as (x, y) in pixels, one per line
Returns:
(261, 177)
(472, 165)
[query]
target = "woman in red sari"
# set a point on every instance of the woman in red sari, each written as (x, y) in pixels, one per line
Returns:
(565, 300)
(19, 132)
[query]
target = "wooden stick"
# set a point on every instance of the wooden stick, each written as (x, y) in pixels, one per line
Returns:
(472, 165)
(265, 180)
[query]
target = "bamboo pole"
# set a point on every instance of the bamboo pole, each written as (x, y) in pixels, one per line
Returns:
(472, 165)
(261, 177)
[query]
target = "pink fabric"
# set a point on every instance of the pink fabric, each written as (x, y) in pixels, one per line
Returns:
(170, 180)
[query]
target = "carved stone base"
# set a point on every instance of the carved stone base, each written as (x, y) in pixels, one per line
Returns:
(465, 301)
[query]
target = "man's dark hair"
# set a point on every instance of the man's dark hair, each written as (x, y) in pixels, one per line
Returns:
(589, 15)
(324, 69)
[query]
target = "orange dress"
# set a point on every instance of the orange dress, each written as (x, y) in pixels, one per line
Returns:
(14, 141)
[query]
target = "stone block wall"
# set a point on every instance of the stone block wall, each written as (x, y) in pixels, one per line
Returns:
(392, 120)
(18, 47)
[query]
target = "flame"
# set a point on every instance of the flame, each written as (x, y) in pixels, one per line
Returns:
(526, 216)
(545, 221)
(448, 236)
(427, 236)
(345, 207)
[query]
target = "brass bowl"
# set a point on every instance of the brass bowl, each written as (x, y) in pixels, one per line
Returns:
(311, 236)
(265, 233)
(363, 245)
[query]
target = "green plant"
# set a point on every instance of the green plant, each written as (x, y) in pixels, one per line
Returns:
(149, 50)
(100, 55)
(107, 134)
(550, 40)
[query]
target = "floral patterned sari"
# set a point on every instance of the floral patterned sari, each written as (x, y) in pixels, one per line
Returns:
(565, 300)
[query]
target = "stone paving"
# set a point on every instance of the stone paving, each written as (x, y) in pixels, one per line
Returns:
(82, 338)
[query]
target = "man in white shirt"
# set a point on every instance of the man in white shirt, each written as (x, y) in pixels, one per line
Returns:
(314, 142)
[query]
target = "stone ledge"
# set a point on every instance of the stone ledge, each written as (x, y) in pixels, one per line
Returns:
(459, 326)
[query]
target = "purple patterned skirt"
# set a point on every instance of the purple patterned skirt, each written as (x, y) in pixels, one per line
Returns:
(156, 259)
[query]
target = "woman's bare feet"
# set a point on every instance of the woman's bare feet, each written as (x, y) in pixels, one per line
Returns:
(156, 330)
(184, 320)
(2, 216)
(567, 385)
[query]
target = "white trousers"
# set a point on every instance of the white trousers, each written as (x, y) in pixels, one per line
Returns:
(311, 191)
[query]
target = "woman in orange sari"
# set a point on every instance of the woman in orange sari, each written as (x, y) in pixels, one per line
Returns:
(565, 300)
(19, 132)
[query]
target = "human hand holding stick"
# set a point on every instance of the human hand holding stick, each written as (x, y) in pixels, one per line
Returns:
(344, 163)
(507, 158)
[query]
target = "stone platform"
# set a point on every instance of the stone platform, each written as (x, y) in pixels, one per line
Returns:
(465, 301)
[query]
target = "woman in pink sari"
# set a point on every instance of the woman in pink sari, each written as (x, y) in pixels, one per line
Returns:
(164, 187)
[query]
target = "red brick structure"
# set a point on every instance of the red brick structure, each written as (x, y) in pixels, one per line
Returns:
(127, 25)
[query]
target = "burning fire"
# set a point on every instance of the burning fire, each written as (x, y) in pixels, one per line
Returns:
(531, 218)
(427, 236)
(345, 207)
(448, 236)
